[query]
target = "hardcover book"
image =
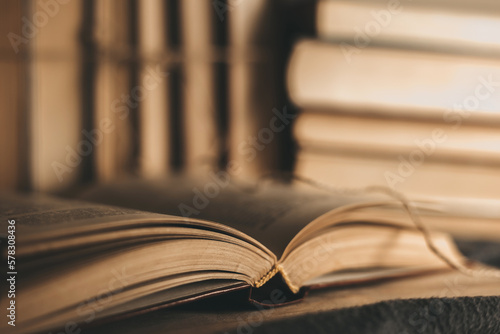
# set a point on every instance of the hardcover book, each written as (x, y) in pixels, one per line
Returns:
(77, 261)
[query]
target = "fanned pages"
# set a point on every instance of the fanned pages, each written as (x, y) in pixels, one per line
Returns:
(188, 243)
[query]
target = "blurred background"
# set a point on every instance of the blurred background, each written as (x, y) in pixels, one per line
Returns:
(401, 93)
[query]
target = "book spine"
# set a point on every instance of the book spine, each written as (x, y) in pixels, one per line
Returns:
(115, 100)
(201, 107)
(412, 173)
(55, 111)
(253, 89)
(154, 107)
(329, 132)
(434, 25)
(322, 76)
(13, 66)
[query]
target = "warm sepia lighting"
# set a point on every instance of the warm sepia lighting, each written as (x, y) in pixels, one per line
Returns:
(249, 166)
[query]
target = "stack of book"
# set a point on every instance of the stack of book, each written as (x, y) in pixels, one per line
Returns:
(400, 94)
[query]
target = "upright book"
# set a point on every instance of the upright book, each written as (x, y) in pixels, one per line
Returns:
(154, 108)
(201, 74)
(13, 66)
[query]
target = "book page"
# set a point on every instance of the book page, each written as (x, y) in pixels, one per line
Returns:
(49, 224)
(272, 214)
(58, 272)
(35, 213)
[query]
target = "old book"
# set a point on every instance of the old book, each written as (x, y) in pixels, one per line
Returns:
(202, 106)
(254, 97)
(57, 153)
(410, 171)
(78, 262)
(453, 26)
(13, 66)
(393, 82)
(154, 89)
(201, 317)
(115, 97)
(463, 142)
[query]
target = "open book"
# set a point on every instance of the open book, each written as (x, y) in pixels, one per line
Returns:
(79, 262)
